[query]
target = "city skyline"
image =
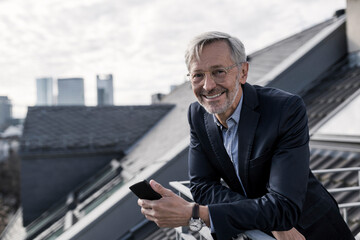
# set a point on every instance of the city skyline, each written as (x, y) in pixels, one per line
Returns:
(47, 94)
(141, 43)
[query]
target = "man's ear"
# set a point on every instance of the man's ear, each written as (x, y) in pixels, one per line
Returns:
(244, 72)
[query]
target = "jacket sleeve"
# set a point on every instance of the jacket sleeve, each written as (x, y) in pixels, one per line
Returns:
(280, 208)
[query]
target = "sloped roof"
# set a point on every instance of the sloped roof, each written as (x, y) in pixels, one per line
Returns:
(172, 130)
(69, 128)
(263, 61)
(331, 91)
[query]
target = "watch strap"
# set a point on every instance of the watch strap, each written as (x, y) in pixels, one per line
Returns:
(195, 211)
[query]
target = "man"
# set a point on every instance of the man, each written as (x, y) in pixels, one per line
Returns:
(255, 139)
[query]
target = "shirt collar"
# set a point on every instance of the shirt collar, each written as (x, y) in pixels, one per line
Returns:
(234, 118)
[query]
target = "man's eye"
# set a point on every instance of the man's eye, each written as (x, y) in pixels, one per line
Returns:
(197, 75)
(219, 72)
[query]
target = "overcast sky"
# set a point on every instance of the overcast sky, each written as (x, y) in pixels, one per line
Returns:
(141, 42)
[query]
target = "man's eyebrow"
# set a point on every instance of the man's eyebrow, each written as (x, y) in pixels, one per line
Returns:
(217, 66)
(212, 67)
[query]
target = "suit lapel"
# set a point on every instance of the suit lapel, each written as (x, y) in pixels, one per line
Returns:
(223, 160)
(246, 130)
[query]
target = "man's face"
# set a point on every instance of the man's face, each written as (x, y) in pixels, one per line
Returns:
(219, 98)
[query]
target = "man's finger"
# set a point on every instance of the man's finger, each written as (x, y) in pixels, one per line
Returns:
(160, 189)
(146, 204)
(140, 202)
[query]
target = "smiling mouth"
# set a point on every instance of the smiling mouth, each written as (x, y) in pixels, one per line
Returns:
(213, 96)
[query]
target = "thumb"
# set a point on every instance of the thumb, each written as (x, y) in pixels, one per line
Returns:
(160, 189)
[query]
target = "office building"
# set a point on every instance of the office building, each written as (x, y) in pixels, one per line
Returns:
(44, 91)
(5, 111)
(71, 91)
(105, 89)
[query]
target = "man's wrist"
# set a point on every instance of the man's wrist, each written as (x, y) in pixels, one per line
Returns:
(204, 215)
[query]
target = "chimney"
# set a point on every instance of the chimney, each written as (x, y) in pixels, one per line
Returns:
(157, 97)
(353, 31)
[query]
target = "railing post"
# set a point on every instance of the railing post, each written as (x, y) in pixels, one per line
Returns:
(359, 181)
(345, 215)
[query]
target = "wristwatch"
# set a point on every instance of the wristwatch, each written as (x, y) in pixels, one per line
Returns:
(196, 223)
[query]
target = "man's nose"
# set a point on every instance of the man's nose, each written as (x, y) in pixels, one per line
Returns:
(209, 82)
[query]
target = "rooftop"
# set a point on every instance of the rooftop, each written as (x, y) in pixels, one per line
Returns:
(77, 128)
(266, 59)
(330, 92)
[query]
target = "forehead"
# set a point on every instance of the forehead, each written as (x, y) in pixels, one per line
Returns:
(214, 54)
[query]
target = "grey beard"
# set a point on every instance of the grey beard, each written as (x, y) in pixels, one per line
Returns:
(228, 104)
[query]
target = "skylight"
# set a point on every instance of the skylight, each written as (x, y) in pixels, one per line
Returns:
(346, 121)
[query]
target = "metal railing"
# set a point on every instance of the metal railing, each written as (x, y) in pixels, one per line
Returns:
(343, 206)
(184, 192)
(204, 234)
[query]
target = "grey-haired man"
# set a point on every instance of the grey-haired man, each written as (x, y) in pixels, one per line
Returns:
(256, 140)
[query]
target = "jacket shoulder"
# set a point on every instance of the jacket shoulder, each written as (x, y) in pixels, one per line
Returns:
(272, 92)
(273, 96)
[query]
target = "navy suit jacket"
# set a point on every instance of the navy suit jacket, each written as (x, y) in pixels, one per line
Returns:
(273, 164)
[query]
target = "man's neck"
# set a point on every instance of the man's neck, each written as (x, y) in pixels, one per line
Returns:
(222, 117)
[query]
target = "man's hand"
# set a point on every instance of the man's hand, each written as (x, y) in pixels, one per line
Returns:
(169, 211)
(292, 234)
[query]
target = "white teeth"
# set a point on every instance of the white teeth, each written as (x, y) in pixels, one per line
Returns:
(213, 96)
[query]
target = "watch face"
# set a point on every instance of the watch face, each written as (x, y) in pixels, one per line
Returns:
(195, 225)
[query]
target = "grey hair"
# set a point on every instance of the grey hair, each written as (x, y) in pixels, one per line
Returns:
(196, 45)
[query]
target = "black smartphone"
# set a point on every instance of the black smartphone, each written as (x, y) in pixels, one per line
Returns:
(144, 191)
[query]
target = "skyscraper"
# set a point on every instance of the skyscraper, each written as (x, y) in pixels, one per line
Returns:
(71, 91)
(105, 89)
(5, 110)
(44, 87)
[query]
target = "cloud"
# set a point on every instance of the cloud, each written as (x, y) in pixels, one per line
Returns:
(141, 43)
